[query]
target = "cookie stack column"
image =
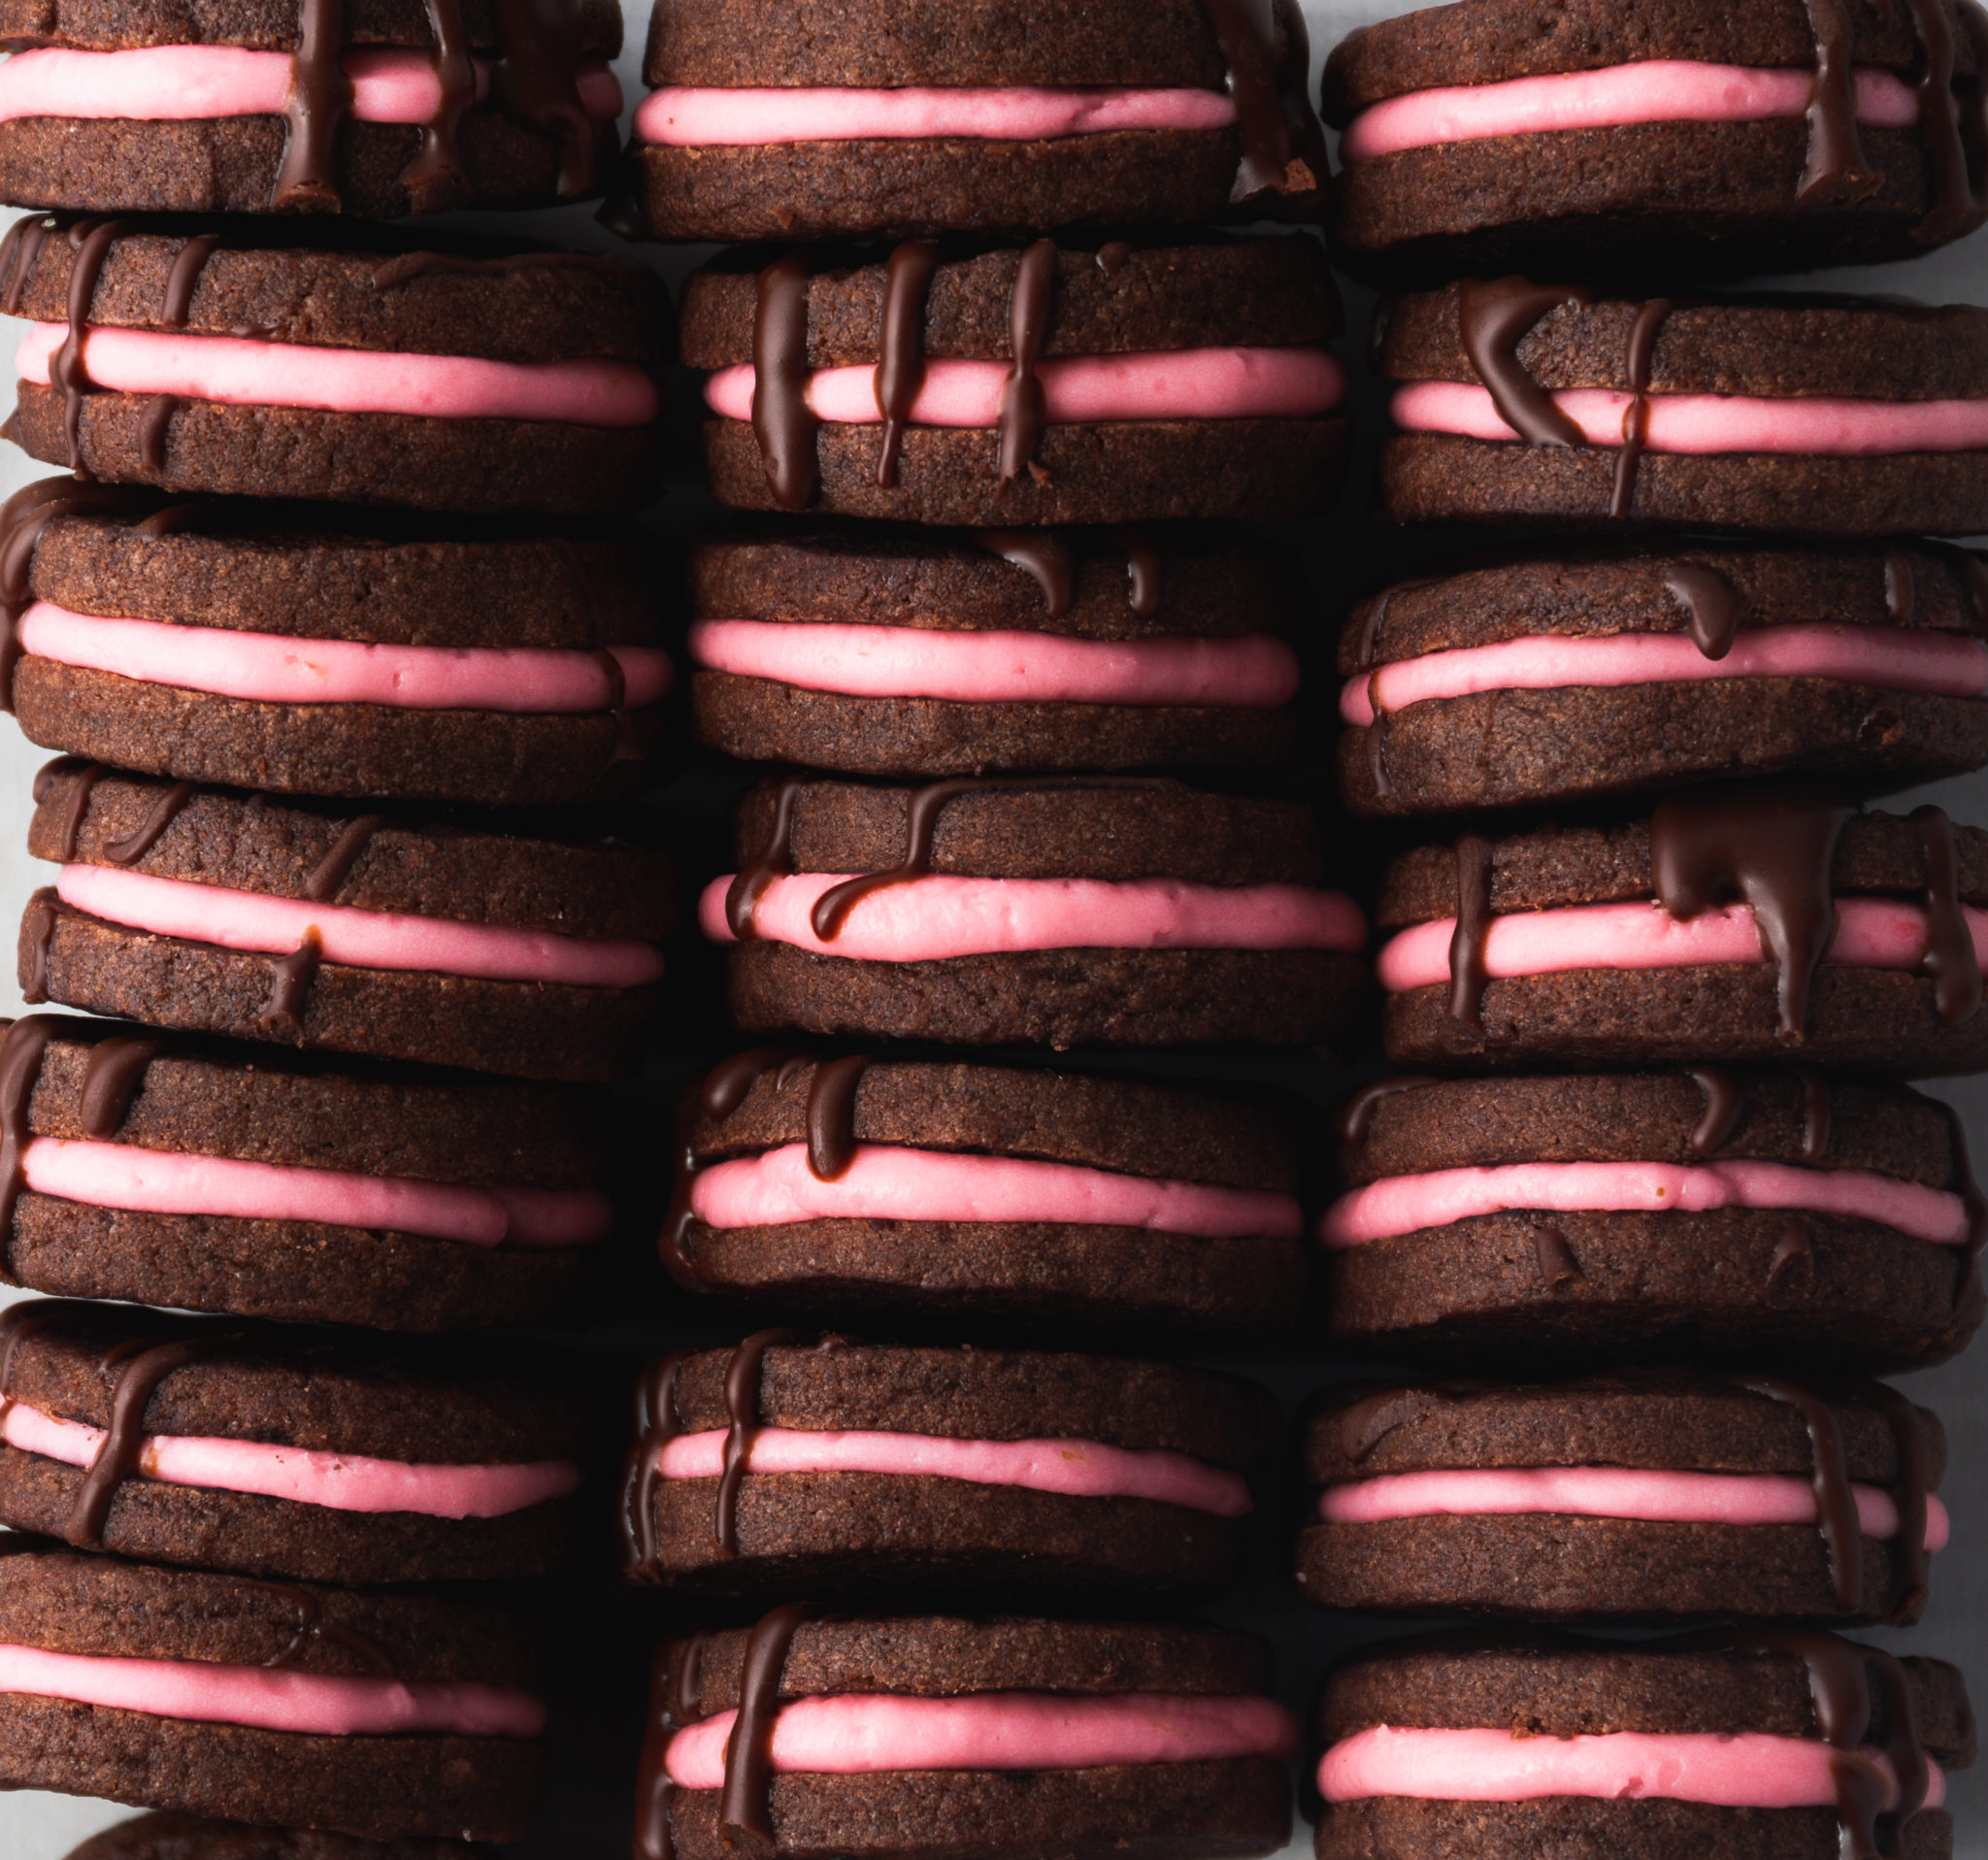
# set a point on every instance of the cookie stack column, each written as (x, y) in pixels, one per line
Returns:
(959, 622)
(336, 584)
(1675, 968)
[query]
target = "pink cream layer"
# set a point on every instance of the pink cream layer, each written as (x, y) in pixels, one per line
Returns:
(158, 1182)
(1892, 658)
(1741, 1498)
(1701, 425)
(1655, 90)
(1189, 384)
(1077, 1469)
(932, 919)
(862, 1734)
(359, 938)
(1739, 1770)
(274, 668)
(685, 116)
(887, 1182)
(1872, 933)
(238, 372)
(336, 1482)
(266, 1699)
(1254, 672)
(1408, 1204)
(184, 83)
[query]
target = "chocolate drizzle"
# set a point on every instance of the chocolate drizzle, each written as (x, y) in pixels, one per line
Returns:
(1559, 1269)
(1142, 571)
(901, 349)
(539, 44)
(1636, 416)
(23, 1049)
(1837, 162)
(1724, 1111)
(1494, 317)
(744, 1376)
(142, 1365)
(82, 780)
(1836, 1501)
(1043, 557)
(657, 1422)
(189, 262)
(111, 1078)
(786, 425)
(1794, 1248)
(1357, 1114)
(1911, 1488)
(1269, 55)
(774, 861)
(1949, 957)
(1024, 408)
(23, 519)
(1816, 1118)
(162, 814)
(290, 980)
(90, 241)
(1955, 133)
(320, 99)
(831, 1115)
(1900, 585)
(322, 882)
(1468, 976)
(1712, 605)
(38, 923)
(654, 1838)
(436, 175)
(155, 429)
(746, 1803)
(314, 1628)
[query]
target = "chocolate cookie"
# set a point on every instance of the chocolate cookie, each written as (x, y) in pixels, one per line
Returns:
(268, 1452)
(144, 107)
(200, 1176)
(167, 1836)
(1739, 1742)
(893, 119)
(919, 653)
(320, 362)
(1086, 1738)
(1057, 384)
(1535, 681)
(1744, 925)
(249, 644)
(865, 1187)
(1484, 137)
(384, 1715)
(1544, 404)
(839, 1468)
(1650, 1495)
(459, 940)
(1044, 910)
(1599, 1217)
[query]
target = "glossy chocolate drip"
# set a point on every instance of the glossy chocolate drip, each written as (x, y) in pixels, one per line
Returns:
(1835, 151)
(684, 1699)
(1113, 254)
(538, 44)
(39, 922)
(1377, 617)
(82, 780)
(1712, 605)
(1636, 416)
(1816, 1118)
(23, 1049)
(653, 1837)
(1377, 755)
(1468, 976)
(322, 882)
(672, 1243)
(23, 519)
(831, 1115)
(1725, 1109)
(774, 861)
(142, 1365)
(90, 241)
(786, 425)
(1794, 1248)
(169, 518)
(1952, 206)
(1900, 585)
(189, 262)
(1836, 1502)
(313, 1627)
(111, 1078)
(1949, 957)
(437, 172)
(901, 350)
(657, 1422)
(291, 980)
(1773, 851)
(1910, 1492)
(729, 1083)
(1024, 408)
(1357, 1114)
(1494, 317)
(746, 1804)
(18, 249)
(1043, 557)
(1269, 55)
(743, 1378)
(155, 429)
(1384, 1407)
(1142, 570)
(1558, 1266)
(627, 745)
(320, 100)
(162, 814)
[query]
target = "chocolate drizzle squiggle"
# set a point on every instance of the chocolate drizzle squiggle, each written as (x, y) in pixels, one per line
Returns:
(1494, 317)
(901, 348)
(1043, 557)
(1711, 604)
(90, 241)
(290, 980)
(1636, 416)
(1949, 958)
(744, 1378)
(319, 101)
(786, 424)
(313, 1627)
(111, 1078)
(322, 882)
(1269, 55)
(142, 1365)
(1836, 1502)
(161, 815)
(1725, 1109)
(745, 1802)
(1837, 161)
(1024, 408)
(1468, 976)
(437, 172)
(1357, 1114)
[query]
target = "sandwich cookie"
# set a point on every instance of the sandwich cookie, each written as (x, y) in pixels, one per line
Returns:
(922, 653)
(321, 361)
(895, 119)
(201, 1175)
(384, 1715)
(837, 1468)
(1047, 911)
(290, 110)
(461, 942)
(963, 1736)
(866, 1189)
(1542, 679)
(258, 1451)
(1601, 1218)
(1054, 383)
(1781, 138)
(1542, 403)
(1731, 926)
(230, 643)
(165, 1835)
(1790, 1741)
(1650, 1495)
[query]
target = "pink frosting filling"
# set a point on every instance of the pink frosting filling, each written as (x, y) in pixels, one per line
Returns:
(274, 668)
(689, 116)
(361, 938)
(1894, 658)
(1080, 1468)
(1655, 90)
(1611, 1491)
(337, 1482)
(1188, 384)
(158, 1182)
(1408, 1203)
(1741, 1769)
(859, 1734)
(1254, 672)
(268, 1698)
(183, 84)
(1872, 933)
(933, 918)
(1700, 425)
(241, 372)
(886, 1182)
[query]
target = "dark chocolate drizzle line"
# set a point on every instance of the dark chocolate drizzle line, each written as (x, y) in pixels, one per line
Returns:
(189, 262)
(901, 348)
(1949, 957)
(1911, 1493)
(163, 812)
(653, 1837)
(1712, 605)
(537, 43)
(155, 429)
(746, 1803)
(290, 980)
(1725, 1109)
(1142, 570)
(1836, 150)
(1558, 1266)
(1836, 1502)
(1269, 55)
(1043, 557)
(142, 1365)
(1636, 416)
(744, 1375)
(322, 882)
(1024, 408)
(39, 923)
(657, 1422)
(111, 1078)
(18, 249)
(774, 861)
(1494, 317)
(1468, 976)
(786, 425)
(1795, 1249)
(23, 1049)
(1900, 585)
(312, 1626)
(83, 781)
(831, 1115)
(437, 172)
(1772, 851)
(23, 519)
(90, 241)
(319, 101)
(1357, 1114)
(1113, 254)
(1953, 206)
(1815, 1117)
(1377, 617)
